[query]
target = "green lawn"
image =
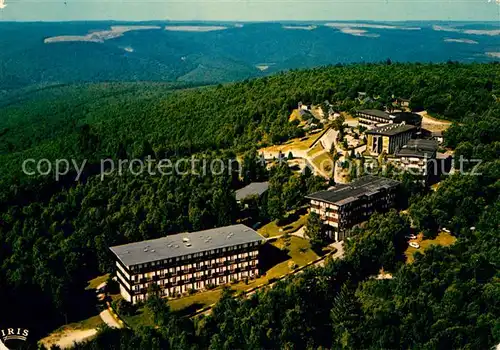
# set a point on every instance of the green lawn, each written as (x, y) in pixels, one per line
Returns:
(324, 162)
(142, 318)
(443, 239)
(272, 229)
(97, 281)
(198, 300)
(316, 149)
(299, 250)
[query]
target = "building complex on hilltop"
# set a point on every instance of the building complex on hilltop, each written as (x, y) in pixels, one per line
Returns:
(418, 157)
(187, 261)
(371, 118)
(347, 205)
(388, 138)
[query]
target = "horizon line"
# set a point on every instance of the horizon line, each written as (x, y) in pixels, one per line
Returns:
(248, 21)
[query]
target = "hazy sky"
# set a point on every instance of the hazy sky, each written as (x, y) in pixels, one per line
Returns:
(249, 10)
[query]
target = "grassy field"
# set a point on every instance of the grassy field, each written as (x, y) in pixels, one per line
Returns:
(443, 239)
(324, 162)
(316, 149)
(294, 144)
(142, 318)
(299, 250)
(89, 323)
(301, 144)
(94, 283)
(295, 115)
(272, 229)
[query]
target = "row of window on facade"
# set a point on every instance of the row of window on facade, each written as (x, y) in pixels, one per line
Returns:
(196, 285)
(191, 256)
(200, 264)
(196, 274)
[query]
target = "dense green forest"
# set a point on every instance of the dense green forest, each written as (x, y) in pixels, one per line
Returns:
(446, 299)
(54, 235)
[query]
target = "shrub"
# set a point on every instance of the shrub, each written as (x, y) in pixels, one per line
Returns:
(123, 307)
(112, 286)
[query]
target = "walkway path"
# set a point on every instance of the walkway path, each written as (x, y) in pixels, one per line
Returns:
(109, 320)
(68, 338)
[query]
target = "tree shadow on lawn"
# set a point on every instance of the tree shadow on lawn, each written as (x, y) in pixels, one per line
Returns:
(272, 256)
(188, 310)
(290, 219)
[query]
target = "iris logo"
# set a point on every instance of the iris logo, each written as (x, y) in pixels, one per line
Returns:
(12, 336)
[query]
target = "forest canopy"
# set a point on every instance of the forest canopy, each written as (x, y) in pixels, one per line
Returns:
(54, 235)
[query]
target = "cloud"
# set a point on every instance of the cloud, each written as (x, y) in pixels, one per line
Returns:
(2, 4)
(360, 29)
(491, 32)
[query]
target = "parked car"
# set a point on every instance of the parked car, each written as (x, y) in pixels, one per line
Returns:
(446, 230)
(414, 245)
(411, 237)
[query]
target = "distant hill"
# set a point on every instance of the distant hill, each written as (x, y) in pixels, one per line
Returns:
(48, 53)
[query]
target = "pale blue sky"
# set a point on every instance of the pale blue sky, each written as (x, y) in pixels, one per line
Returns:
(249, 10)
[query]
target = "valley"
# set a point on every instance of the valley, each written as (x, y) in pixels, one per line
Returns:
(213, 52)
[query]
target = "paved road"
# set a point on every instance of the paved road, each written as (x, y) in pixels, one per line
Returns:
(109, 320)
(300, 232)
(340, 250)
(339, 254)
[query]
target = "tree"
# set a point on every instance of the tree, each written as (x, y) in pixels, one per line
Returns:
(157, 306)
(275, 206)
(293, 193)
(346, 318)
(314, 230)
(253, 168)
(338, 123)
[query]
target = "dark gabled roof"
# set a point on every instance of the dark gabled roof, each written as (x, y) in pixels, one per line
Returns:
(408, 118)
(176, 245)
(419, 148)
(253, 189)
(345, 193)
(428, 145)
(376, 113)
(391, 129)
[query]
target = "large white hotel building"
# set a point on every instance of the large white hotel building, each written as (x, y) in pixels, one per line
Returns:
(185, 261)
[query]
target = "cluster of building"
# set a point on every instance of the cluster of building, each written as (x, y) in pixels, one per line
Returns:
(398, 136)
(183, 262)
(199, 260)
